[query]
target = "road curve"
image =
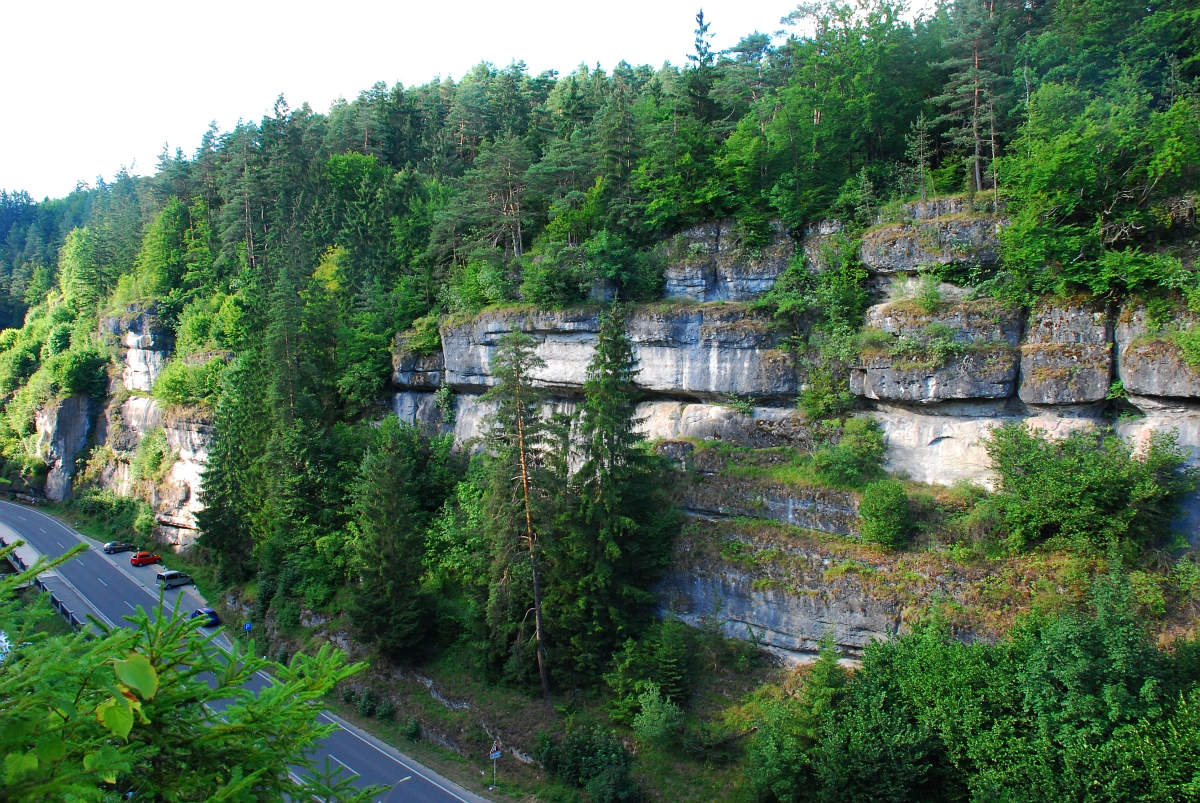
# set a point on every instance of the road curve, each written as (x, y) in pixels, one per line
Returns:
(114, 589)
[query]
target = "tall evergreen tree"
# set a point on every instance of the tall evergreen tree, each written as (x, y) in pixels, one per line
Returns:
(517, 434)
(613, 542)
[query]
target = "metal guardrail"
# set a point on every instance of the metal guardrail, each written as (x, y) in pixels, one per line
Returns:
(40, 585)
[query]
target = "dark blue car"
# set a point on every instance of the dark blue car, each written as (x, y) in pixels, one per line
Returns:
(209, 615)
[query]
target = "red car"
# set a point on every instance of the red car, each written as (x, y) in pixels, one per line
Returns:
(144, 558)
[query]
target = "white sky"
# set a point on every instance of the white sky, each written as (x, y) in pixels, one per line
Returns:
(93, 85)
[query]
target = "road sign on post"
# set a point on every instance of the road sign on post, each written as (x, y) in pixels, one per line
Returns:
(246, 627)
(494, 756)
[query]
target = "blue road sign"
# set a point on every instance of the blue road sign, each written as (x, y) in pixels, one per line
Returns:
(495, 754)
(246, 627)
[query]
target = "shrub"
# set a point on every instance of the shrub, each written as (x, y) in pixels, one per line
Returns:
(386, 710)
(367, 703)
(152, 458)
(1087, 490)
(825, 396)
(593, 760)
(411, 729)
(659, 719)
(884, 513)
(183, 384)
(857, 457)
(424, 337)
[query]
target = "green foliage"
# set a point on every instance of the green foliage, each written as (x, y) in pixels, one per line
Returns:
(884, 514)
(152, 458)
(136, 715)
(825, 396)
(424, 337)
(1087, 491)
(661, 659)
(185, 383)
(856, 457)
(658, 720)
(592, 760)
(779, 759)
(402, 482)
(1081, 701)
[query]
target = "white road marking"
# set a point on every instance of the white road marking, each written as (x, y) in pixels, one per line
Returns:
(393, 758)
(130, 606)
(343, 763)
(22, 518)
(60, 546)
(101, 579)
(42, 529)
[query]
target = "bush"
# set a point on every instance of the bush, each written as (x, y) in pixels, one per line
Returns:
(1087, 490)
(386, 710)
(825, 396)
(857, 457)
(183, 384)
(884, 514)
(659, 720)
(153, 457)
(424, 337)
(367, 703)
(592, 760)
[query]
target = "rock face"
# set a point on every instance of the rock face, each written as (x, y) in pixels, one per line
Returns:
(909, 247)
(176, 500)
(62, 430)
(1067, 354)
(416, 371)
(790, 625)
(1150, 363)
(684, 352)
(144, 345)
(707, 263)
(962, 351)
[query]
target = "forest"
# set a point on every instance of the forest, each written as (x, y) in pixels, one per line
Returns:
(286, 256)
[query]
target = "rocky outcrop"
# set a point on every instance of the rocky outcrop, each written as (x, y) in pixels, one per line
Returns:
(961, 351)
(656, 420)
(176, 499)
(709, 263)
(144, 345)
(683, 352)
(415, 371)
(1150, 359)
(745, 484)
(62, 430)
(1067, 354)
(960, 240)
(762, 427)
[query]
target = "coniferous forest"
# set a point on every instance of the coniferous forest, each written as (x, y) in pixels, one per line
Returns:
(286, 258)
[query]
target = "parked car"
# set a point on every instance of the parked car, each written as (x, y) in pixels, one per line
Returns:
(172, 578)
(112, 547)
(209, 615)
(145, 558)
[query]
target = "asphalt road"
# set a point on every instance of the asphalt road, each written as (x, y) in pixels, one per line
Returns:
(113, 588)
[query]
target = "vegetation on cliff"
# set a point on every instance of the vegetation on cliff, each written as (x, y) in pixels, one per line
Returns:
(284, 257)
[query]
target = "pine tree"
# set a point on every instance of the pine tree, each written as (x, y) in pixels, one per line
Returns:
(972, 81)
(517, 434)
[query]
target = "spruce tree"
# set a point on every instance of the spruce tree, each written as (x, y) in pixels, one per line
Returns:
(389, 526)
(612, 545)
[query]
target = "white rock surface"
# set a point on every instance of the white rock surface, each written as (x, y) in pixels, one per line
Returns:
(142, 367)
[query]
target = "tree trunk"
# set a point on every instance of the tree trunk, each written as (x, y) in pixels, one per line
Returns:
(543, 671)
